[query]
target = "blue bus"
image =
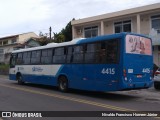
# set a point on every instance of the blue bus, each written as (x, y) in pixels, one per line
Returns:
(114, 62)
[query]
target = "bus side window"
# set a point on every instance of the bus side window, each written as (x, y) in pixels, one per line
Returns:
(59, 55)
(26, 58)
(19, 59)
(78, 54)
(90, 53)
(35, 57)
(112, 48)
(13, 60)
(69, 55)
(102, 53)
(46, 57)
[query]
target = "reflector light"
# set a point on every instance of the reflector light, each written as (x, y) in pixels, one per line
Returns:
(124, 72)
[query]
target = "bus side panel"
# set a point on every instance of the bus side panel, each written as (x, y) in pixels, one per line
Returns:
(40, 79)
(12, 75)
(74, 74)
(107, 77)
(39, 74)
(94, 77)
(89, 77)
(80, 76)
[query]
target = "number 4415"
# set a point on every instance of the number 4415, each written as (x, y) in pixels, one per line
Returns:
(108, 71)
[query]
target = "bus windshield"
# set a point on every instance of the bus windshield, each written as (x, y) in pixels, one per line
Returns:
(138, 45)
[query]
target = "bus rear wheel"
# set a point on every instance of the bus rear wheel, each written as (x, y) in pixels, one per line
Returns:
(19, 80)
(63, 84)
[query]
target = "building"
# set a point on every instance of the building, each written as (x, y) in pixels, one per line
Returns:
(143, 20)
(31, 42)
(14, 42)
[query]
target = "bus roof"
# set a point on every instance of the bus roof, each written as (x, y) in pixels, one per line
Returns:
(78, 41)
(50, 45)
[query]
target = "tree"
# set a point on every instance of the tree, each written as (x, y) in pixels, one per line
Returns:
(44, 40)
(59, 37)
(63, 36)
(67, 32)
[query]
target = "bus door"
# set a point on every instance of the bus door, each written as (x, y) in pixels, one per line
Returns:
(12, 73)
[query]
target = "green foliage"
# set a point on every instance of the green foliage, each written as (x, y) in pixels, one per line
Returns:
(67, 32)
(63, 36)
(58, 38)
(44, 40)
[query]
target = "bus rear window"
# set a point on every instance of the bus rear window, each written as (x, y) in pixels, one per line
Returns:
(138, 45)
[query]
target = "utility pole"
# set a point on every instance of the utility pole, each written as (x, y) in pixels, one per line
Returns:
(50, 31)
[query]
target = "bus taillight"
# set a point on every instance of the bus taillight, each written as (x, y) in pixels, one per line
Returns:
(124, 73)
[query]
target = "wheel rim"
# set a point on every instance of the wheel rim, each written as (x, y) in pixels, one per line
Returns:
(63, 84)
(19, 79)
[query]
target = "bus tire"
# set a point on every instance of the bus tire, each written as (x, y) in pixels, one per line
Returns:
(19, 79)
(63, 84)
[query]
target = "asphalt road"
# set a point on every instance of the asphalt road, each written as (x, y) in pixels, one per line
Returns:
(30, 97)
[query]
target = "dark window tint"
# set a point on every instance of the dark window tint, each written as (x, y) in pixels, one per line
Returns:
(112, 49)
(69, 55)
(59, 55)
(90, 53)
(26, 57)
(59, 51)
(35, 57)
(46, 57)
(78, 54)
(13, 60)
(19, 59)
(109, 52)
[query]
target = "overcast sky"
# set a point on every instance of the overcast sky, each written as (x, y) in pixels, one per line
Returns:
(21, 16)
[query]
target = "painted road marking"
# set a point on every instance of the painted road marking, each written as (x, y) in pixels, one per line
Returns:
(70, 98)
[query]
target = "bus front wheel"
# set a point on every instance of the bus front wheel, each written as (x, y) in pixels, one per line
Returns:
(63, 83)
(19, 79)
